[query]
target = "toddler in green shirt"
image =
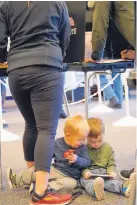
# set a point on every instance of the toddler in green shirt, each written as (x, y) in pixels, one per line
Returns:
(102, 163)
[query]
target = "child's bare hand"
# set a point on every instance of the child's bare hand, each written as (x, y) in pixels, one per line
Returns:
(72, 158)
(87, 175)
(113, 174)
(130, 54)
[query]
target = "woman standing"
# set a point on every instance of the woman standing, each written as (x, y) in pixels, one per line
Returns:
(39, 34)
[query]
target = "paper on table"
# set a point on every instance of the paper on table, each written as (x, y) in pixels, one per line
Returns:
(114, 60)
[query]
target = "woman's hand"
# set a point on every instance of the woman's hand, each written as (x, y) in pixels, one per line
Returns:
(90, 60)
(130, 54)
(3, 64)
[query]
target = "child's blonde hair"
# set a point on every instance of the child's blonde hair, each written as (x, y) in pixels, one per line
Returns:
(75, 123)
(96, 126)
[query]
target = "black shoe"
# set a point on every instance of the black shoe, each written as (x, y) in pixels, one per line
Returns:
(113, 103)
(125, 174)
(5, 125)
(117, 106)
(63, 115)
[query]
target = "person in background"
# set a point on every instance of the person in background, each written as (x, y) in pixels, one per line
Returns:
(114, 45)
(40, 34)
(112, 93)
(124, 18)
(122, 13)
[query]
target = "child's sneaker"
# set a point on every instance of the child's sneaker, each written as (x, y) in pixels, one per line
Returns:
(125, 174)
(128, 185)
(16, 180)
(99, 188)
(32, 187)
(50, 198)
(11, 177)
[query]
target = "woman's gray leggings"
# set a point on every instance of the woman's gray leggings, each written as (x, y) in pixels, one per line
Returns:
(38, 92)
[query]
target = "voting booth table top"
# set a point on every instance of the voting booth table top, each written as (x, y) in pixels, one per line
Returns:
(96, 68)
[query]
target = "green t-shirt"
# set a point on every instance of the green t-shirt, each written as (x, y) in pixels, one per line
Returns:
(102, 158)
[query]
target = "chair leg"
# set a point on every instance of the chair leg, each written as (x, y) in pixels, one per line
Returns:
(99, 89)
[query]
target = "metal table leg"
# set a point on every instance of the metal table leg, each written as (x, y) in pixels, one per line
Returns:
(126, 96)
(66, 103)
(86, 93)
(87, 85)
(99, 89)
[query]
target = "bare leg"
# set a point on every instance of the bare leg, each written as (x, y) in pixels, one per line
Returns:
(41, 182)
